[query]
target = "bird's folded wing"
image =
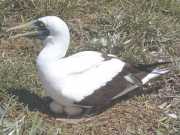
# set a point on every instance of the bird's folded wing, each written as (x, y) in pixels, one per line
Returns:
(82, 61)
(79, 85)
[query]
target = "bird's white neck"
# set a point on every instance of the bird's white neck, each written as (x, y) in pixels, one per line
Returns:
(55, 48)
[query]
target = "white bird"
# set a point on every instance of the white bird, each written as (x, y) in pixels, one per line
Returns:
(86, 79)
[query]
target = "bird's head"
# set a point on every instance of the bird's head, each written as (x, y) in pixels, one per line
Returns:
(52, 31)
(43, 27)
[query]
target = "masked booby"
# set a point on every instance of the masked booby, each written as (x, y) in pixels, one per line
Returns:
(86, 79)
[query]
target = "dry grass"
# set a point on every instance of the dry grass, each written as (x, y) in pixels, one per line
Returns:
(131, 29)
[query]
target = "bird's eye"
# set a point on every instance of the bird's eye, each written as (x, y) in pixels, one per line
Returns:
(40, 24)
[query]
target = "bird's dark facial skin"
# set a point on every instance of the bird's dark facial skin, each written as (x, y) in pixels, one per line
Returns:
(43, 31)
(40, 25)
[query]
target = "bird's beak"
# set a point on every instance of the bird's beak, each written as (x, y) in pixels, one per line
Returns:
(30, 25)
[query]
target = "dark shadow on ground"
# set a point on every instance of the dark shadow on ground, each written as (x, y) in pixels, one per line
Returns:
(33, 101)
(41, 104)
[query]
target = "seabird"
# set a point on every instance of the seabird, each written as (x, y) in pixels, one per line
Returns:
(86, 79)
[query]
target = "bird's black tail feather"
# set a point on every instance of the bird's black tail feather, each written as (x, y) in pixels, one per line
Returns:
(150, 67)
